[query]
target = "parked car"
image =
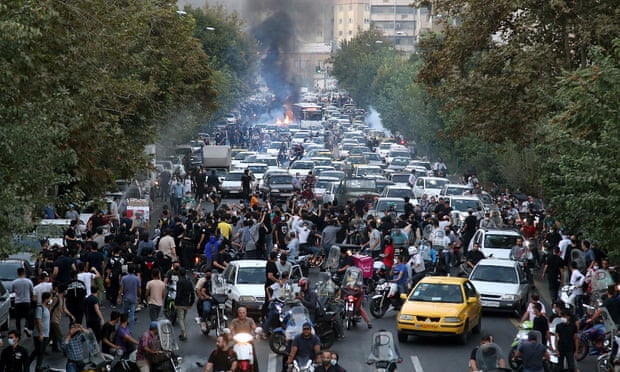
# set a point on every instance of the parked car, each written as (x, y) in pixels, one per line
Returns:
(8, 273)
(440, 306)
(245, 285)
(502, 285)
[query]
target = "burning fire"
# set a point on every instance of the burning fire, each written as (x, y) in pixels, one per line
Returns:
(288, 118)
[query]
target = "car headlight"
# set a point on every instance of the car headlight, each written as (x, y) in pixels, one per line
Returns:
(452, 319)
(247, 299)
(406, 317)
(508, 297)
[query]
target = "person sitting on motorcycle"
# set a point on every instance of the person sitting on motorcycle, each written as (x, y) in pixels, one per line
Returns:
(522, 254)
(400, 275)
(244, 324)
(529, 313)
(204, 298)
(345, 261)
(611, 303)
(328, 364)
(350, 288)
(274, 291)
(149, 351)
(388, 254)
(223, 358)
(305, 346)
(474, 256)
(308, 297)
(532, 353)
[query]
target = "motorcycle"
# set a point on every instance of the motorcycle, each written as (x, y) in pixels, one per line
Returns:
(217, 319)
(605, 362)
(170, 310)
(302, 365)
(169, 346)
(94, 359)
(245, 352)
(383, 352)
(352, 288)
(386, 294)
(326, 327)
(489, 358)
(595, 339)
(293, 320)
(522, 337)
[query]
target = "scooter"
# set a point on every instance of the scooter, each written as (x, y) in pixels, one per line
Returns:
(597, 338)
(244, 351)
(293, 320)
(384, 354)
(522, 336)
(386, 294)
(303, 365)
(170, 311)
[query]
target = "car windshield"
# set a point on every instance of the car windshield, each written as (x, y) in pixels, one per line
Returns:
(242, 155)
(251, 275)
(8, 270)
(456, 190)
(398, 205)
(374, 157)
(464, 204)
(400, 161)
(275, 145)
(272, 162)
(385, 146)
(322, 184)
(234, 176)
(51, 230)
(399, 193)
(257, 168)
(369, 172)
(327, 162)
(500, 241)
(435, 292)
(496, 274)
(336, 174)
(302, 165)
(356, 160)
(400, 154)
(281, 180)
(360, 184)
(435, 184)
(358, 150)
(400, 178)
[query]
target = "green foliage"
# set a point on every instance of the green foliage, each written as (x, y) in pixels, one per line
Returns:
(84, 85)
(581, 154)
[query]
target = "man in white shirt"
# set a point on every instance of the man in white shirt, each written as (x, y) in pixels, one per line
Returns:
(167, 246)
(416, 264)
(86, 276)
(412, 178)
(576, 280)
(564, 244)
(44, 286)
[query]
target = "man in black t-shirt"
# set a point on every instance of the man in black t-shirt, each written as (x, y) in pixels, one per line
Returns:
(280, 233)
(75, 294)
(108, 331)
(63, 267)
(222, 358)
(271, 275)
(540, 324)
(566, 341)
(553, 268)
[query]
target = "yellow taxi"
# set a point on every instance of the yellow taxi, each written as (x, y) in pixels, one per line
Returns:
(440, 306)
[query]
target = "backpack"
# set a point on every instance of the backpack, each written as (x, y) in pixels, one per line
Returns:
(149, 263)
(116, 263)
(164, 223)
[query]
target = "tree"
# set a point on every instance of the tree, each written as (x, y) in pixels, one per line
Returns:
(581, 144)
(85, 85)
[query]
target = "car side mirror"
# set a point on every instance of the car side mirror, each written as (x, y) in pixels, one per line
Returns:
(403, 296)
(472, 300)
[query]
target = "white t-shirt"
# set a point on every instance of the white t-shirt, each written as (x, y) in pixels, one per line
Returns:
(41, 288)
(418, 264)
(530, 310)
(576, 279)
(277, 290)
(87, 278)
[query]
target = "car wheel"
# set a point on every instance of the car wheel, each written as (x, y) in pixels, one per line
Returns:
(402, 336)
(464, 337)
(478, 326)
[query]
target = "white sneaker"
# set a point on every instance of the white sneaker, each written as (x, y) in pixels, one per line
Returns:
(197, 320)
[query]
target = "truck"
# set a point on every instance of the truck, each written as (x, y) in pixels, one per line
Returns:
(217, 158)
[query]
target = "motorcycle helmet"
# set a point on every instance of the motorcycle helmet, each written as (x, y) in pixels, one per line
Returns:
(413, 250)
(387, 239)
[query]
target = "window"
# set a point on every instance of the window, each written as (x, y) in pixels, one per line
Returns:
(339, 33)
(340, 21)
(470, 290)
(340, 8)
(350, 7)
(350, 21)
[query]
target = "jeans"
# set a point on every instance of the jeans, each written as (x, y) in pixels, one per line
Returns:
(74, 366)
(130, 308)
(181, 315)
(271, 315)
(303, 248)
(154, 312)
(206, 309)
(39, 350)
(447, 259)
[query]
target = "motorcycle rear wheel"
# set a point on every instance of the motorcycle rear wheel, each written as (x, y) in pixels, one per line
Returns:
(584, 348)
(327, 339)
(170, 312)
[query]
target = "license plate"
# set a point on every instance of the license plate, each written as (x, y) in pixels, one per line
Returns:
(487, 303)
(427, 325)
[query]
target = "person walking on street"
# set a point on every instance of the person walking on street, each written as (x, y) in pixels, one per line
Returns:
(23, 289)
(129, 294)
(567, 341)
(14, 358)
(184, 301)
(155, 292)
(57, 310)
(123, 337)
(553, 268)
(94, 317)
(108, 332)
(532, 353)
(41, 331)
(223, 358)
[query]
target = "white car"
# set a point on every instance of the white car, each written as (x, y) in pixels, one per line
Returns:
(461, 204)
(496, 242)
(502, 285)
(368, 171)
(236, 161)
(322, 185)
(257, 170)
(430, 186)
(302, 167)
(245, 285)
(397, 191)
(232, 183)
